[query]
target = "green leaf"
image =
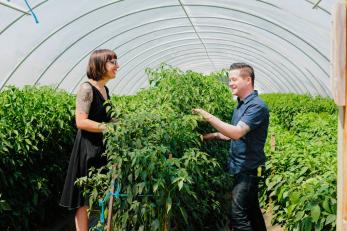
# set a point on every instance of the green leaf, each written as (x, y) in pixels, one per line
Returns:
(315, 213)
(330, 219)
(306, 225)
(294, 197)
(180, 185)
(184, 214)
(326, 206)
(299, 215)
(155, 224)
(155, 187)
(168, 204)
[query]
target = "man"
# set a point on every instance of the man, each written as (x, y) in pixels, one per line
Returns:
(247, 133)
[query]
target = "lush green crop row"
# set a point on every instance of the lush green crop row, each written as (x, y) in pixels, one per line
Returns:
(189, 191)
(300, 187)
(36, 132)
(301, 183)
(287, 106)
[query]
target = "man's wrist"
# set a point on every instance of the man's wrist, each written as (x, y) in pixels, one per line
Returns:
(209, 117)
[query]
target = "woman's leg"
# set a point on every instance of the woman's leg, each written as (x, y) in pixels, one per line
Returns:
(81, 219)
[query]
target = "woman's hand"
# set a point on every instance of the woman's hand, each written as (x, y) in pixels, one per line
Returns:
(114, 120)
(83, 123)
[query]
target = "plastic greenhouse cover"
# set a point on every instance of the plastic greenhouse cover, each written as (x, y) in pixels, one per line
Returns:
(288, 42)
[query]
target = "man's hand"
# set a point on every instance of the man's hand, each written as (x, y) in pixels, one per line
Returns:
(204, 114)
(210, 136)
(215, 136)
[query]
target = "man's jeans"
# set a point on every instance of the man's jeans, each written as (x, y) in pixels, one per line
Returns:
(245, 211)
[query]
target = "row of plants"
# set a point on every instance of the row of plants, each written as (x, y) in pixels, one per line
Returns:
(300, 188)
(287, 106)
(169, 175)
(301, 185)
(163, 166)
(36, 134)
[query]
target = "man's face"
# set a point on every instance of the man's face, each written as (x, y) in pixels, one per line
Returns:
(239, 81)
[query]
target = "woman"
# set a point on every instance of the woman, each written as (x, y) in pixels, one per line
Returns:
(90, 118)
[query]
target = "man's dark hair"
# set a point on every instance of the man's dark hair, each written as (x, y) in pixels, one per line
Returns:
(97, 63)
(244, 67)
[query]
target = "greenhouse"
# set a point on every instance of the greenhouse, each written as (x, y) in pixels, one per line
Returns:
(145, 115)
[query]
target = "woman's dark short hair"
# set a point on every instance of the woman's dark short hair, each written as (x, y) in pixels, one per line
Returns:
(245, 67)
(97, 63)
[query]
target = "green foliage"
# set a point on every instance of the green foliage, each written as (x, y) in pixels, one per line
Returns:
(191, 190)
(287, 106)
(155, 124)
(301, 178)
(301, 182)
(36, 134)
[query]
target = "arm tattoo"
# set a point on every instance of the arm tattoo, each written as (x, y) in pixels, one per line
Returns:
(84, 98)
(244, 126)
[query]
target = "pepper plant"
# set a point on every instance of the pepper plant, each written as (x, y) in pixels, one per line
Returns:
(162, 164)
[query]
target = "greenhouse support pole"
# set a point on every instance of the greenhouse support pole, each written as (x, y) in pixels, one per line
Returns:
(338, 90)
(344, 201)
(110, 204)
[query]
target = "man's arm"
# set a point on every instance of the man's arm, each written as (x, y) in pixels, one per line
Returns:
(228, 130)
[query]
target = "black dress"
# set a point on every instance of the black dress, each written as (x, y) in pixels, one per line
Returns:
(86, 153)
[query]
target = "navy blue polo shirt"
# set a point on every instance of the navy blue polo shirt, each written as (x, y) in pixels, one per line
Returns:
(247, 153)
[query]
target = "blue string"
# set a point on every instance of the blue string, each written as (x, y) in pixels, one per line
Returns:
(102, 203)
(31, 11)
(116, 195)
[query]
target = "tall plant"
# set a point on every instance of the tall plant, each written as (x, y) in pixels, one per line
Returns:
(36, 133)
(163, 166)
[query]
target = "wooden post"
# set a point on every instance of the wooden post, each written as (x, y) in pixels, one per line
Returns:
(166, 218)
(338, 89)
(273, 142)
(344, 178)
(110, 204)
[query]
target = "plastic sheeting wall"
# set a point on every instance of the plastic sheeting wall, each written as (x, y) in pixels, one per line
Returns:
(288, 42)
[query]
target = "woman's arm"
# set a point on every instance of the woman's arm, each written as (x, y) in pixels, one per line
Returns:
(84, 100)
(83, 123)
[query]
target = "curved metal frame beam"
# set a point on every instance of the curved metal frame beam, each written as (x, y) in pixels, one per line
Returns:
(20, 17)
(263, 19)
(197, 34)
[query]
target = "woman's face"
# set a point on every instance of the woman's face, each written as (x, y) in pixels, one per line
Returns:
(111, 67)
